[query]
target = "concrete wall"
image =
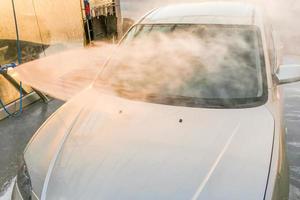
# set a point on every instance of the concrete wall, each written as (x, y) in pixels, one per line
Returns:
(55, 20)
(44, 26)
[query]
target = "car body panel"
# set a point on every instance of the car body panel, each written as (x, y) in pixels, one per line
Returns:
(46, 142)
(278, 181)
(204, 13)
(144, 152)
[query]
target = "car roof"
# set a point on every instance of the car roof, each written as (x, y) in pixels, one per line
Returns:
(206, 13)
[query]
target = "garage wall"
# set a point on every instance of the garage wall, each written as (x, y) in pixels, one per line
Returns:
(42, 24)
(45, 27)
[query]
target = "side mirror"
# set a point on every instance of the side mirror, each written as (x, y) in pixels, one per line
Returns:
(288, 74)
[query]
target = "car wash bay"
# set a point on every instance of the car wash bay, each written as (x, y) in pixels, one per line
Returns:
(15, 132)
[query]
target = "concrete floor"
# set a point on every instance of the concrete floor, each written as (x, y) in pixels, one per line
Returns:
(14, 135)
(292, 119)
(16, 132)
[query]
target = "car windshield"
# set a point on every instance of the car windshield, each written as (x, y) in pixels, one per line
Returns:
(189, 65)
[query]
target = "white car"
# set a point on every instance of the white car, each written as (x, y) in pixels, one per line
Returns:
(218, 134)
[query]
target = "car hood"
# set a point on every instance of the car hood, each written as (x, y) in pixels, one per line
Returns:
(113, 148)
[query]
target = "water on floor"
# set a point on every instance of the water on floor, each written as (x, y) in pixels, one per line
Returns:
(292, 116)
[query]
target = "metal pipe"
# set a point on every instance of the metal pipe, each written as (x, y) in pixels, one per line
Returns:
(12, 81)
(117, 5)
(82, 18)
(17, 33)
(38, 26)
